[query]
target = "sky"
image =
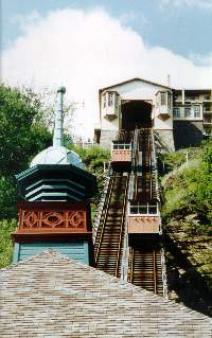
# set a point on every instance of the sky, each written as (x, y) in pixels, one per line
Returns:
(88, 44)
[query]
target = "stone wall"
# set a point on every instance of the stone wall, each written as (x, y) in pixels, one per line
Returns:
(166, 138)
(184, 134)
(187, 133)
(107, 136)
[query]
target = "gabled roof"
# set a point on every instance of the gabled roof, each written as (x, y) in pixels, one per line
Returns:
(132, 80)
(50, 295)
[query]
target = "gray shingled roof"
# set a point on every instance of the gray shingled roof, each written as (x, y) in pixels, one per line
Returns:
(50, 295)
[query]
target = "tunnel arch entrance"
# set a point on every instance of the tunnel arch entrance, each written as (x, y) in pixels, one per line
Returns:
(136, 113)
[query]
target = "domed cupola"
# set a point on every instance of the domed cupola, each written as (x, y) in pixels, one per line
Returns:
(57, 155)
(56, 173)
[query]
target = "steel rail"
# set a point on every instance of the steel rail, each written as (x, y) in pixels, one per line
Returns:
(99, 241)
(122, 228)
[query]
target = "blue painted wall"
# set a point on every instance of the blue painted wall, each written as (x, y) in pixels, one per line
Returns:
(78, 250)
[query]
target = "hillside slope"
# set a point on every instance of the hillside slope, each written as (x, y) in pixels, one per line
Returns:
(187, 218)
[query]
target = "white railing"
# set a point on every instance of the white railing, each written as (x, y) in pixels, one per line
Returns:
(85, 145)
(121, 146)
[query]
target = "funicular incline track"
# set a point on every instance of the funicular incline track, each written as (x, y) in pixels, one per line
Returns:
(145, 268)
(144, 260)
(109, 241)
(146, 184)
(144, 264)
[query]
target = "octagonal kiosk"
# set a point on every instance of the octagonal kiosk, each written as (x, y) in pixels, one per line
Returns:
(54, 211)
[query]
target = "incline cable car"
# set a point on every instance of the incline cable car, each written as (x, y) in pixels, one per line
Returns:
(144, 218)
(121, 152)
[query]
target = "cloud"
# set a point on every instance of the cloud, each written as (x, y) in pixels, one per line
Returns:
(88, 50)
(202, 60)
(205, 4)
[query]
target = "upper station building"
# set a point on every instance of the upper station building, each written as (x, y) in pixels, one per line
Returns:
(180, 116)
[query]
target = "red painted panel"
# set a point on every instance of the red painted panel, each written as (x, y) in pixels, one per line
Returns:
(144, 224)
(121, 155)
(53, 217)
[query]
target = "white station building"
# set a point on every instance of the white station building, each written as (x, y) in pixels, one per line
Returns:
(180, 117)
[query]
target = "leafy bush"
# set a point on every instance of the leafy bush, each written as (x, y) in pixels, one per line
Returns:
(172, 160)
(6, 246)
(94, 158)
(190, 190)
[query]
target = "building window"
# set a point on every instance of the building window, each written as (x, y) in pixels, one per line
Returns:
(196, 111)
(104, 101)
(169, 100)
(163, 99)
(187, 112)
(177, 112)
(207, 108)
(110, 99)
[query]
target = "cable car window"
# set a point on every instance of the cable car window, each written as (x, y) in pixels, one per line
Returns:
(134, 210)
(143, 209)
(153, 209)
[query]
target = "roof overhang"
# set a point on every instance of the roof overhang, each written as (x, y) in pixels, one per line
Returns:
(76, 178)
(133, 80)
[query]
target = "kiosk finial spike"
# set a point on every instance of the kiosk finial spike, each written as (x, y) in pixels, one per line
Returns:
(59, 112)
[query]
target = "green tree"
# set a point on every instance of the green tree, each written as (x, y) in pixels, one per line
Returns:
(22, 135)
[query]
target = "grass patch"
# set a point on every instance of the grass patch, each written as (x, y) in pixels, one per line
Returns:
(6, 245)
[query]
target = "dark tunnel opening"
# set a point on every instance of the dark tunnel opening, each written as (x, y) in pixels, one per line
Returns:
(136, 113)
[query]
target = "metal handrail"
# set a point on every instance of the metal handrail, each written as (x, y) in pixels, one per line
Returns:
(105, 218)
(100, 208)
(155, 168)
(122, 226)
(135, 150)
(102, 199)
(132, 266)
